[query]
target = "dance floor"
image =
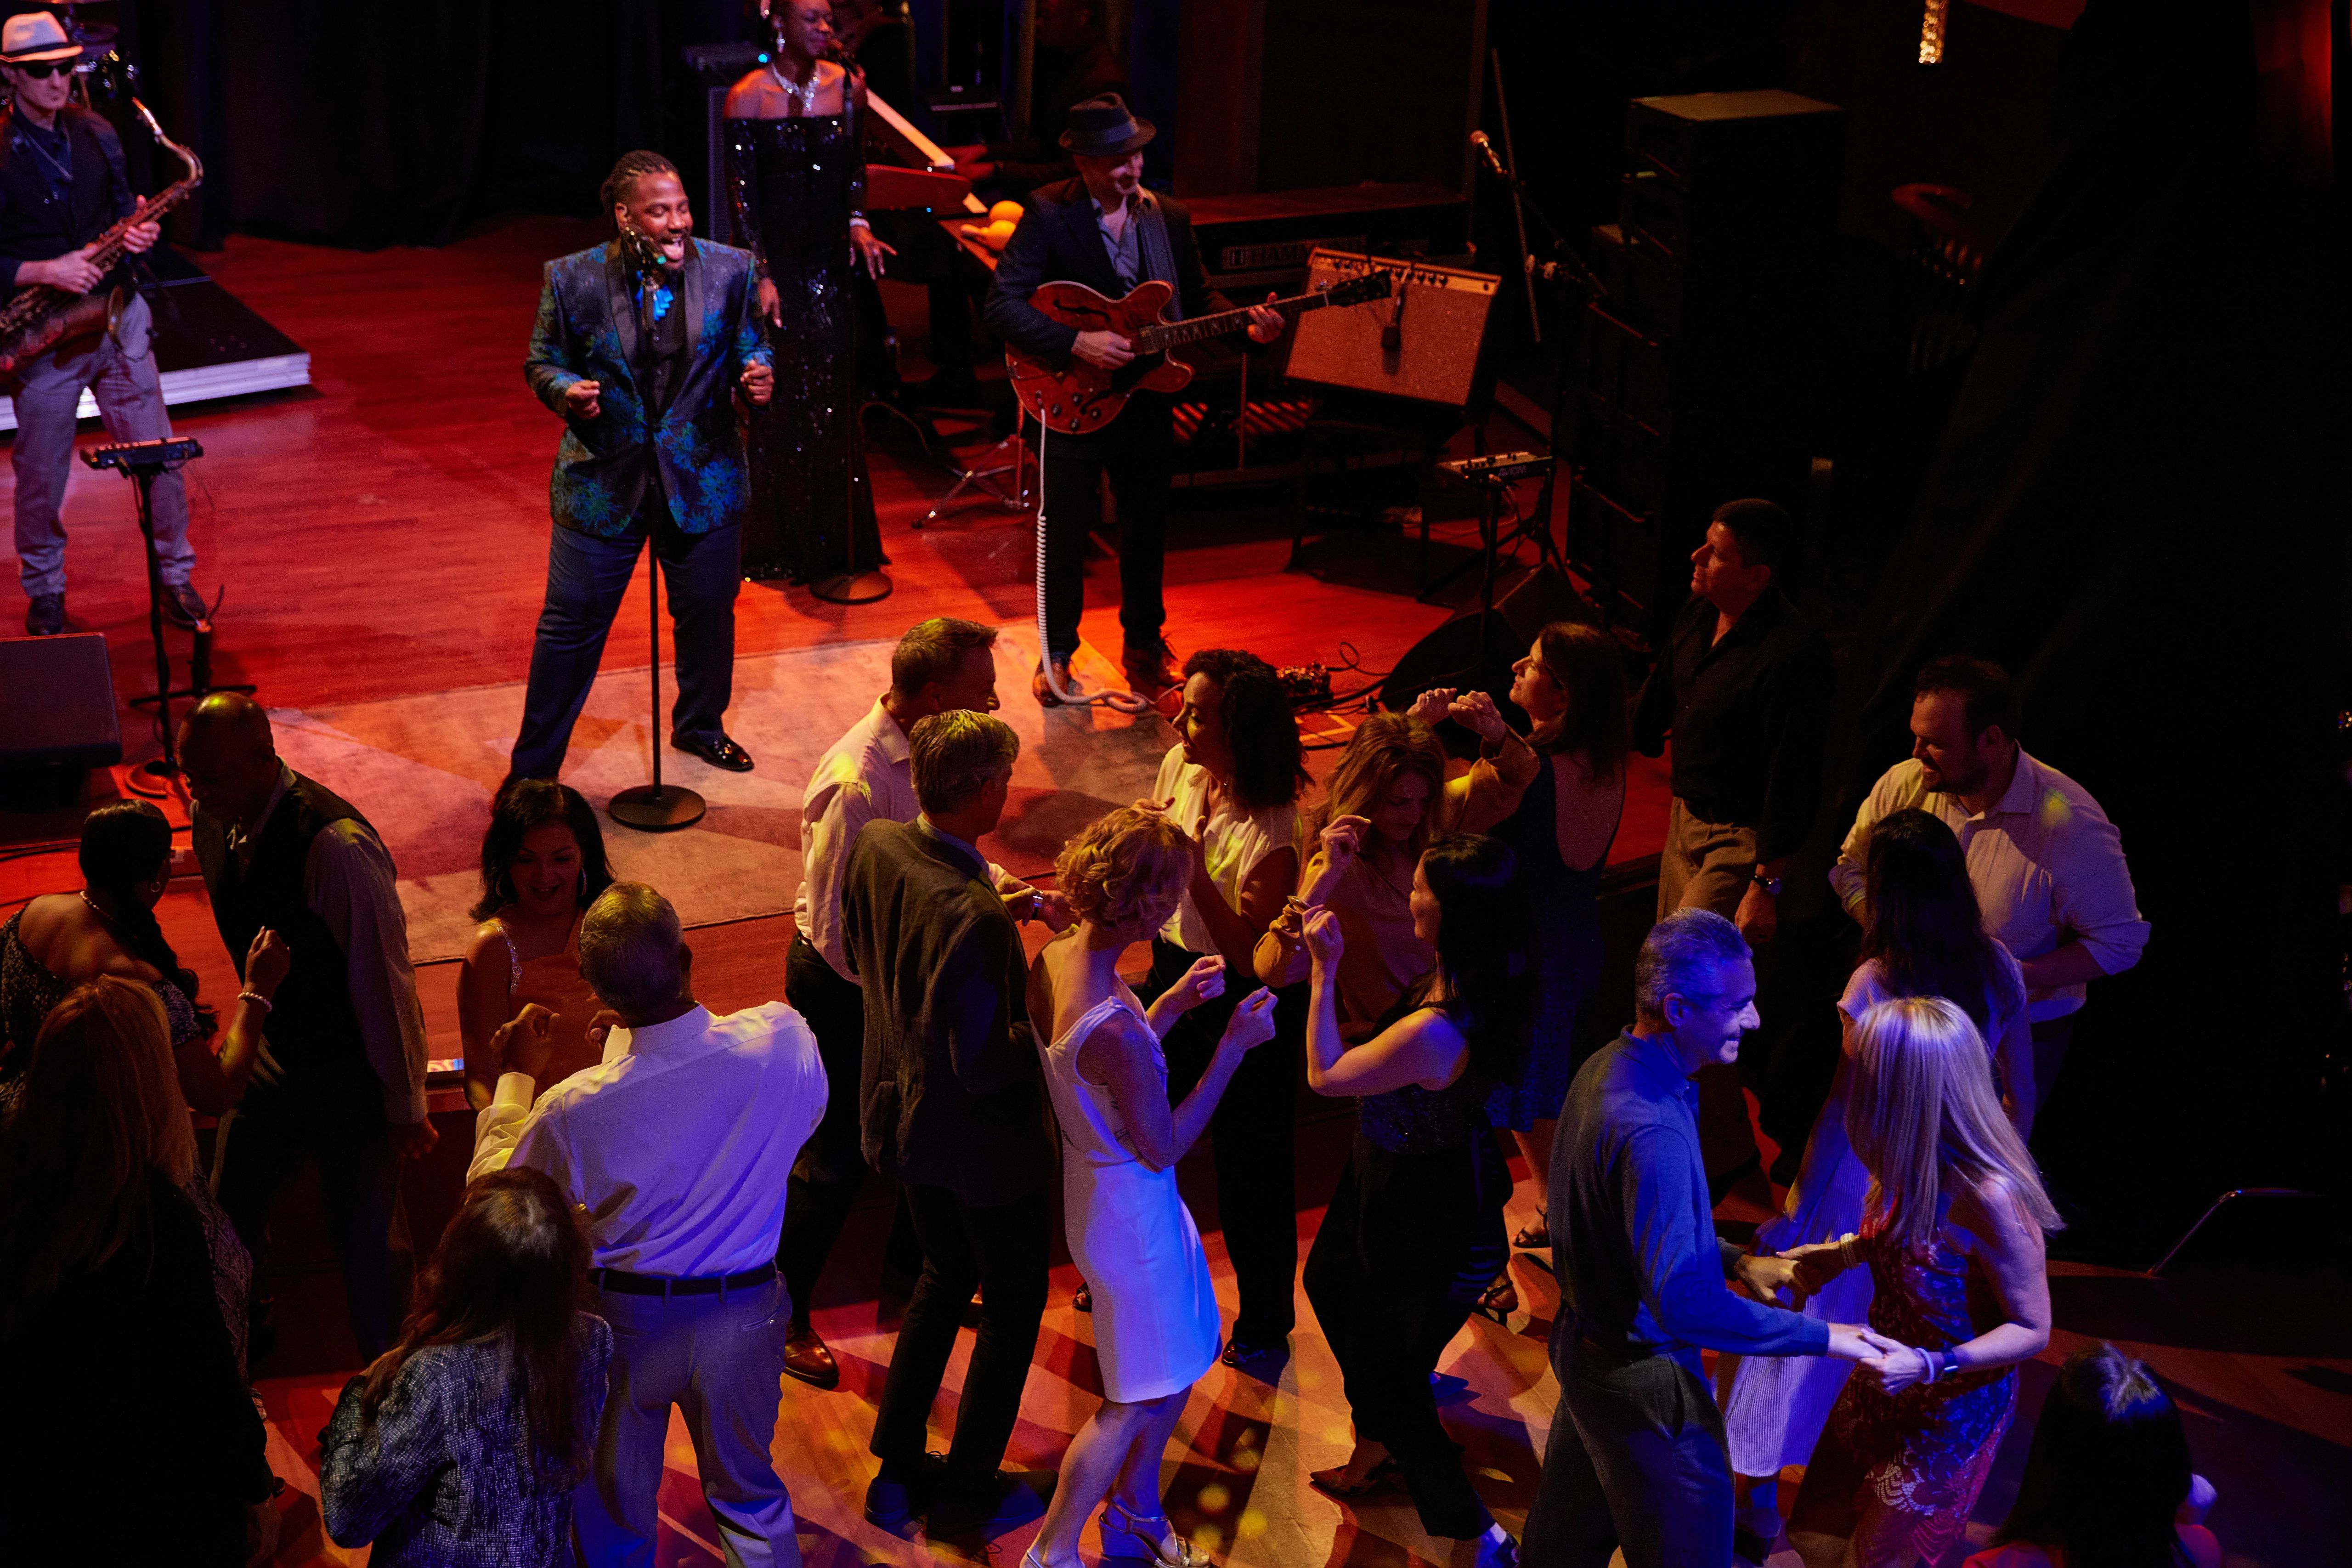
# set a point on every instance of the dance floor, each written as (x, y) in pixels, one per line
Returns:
(383, 536)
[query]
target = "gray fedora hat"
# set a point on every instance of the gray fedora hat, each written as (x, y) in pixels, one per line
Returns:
(1104, 127)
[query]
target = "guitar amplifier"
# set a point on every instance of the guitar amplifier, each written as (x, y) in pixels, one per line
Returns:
(1261, 239)
(1421, 344)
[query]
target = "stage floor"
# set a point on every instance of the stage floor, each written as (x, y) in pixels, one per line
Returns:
(383, 536)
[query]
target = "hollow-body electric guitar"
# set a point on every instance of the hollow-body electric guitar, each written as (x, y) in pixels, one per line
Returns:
(1085, 397)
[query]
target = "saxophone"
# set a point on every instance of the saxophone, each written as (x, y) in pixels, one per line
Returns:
(41, 317)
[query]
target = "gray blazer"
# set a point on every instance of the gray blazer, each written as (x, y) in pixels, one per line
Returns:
(947, 1091)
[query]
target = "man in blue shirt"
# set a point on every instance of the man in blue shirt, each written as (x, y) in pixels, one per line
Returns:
(1636, 1458)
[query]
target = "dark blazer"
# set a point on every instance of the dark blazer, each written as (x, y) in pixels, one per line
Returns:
(587, 330)
(35, 228)
(947, 1091)
(1057, 241)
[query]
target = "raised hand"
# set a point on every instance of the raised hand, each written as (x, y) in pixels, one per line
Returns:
(1431, 706)
(1204, 981)
(1252, 1023)
(523, 1043)
(1324, 942)
(1476, 711)
(580, 400)
(266, 963)
(1343, 840)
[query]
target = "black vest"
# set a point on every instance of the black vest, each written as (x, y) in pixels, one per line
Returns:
(311, 1029)
(33, 226)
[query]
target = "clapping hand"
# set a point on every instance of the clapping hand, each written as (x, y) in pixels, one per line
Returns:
(1204, 981)
(1252, 1023)
(1431, 706)
(1324, 942)
(1476, 711)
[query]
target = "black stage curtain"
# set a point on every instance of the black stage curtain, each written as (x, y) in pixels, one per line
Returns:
(2126, 510)
(362, 125)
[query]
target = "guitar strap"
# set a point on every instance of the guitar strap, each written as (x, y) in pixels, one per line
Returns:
(1158, 255)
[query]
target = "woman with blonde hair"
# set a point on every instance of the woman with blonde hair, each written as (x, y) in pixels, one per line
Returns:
(1952, 1232)
(1155, 1310)
(109, 1323)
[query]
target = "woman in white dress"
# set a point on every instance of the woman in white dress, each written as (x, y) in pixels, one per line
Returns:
(1925, 937)
(1155, 1310)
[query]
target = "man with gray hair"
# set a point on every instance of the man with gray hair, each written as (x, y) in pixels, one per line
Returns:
(952, 1108)
(1636, 1457)
(675, 1147)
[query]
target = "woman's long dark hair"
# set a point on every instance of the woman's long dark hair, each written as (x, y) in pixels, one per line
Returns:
(1482, 958)
(2108, 1467)
(126, 843)
(1269, 760)
(1588, 665)
(528, 804)
(512, 1266)
(1926, 930)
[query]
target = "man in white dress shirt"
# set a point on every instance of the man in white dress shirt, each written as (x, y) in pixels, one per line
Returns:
(2047, 865)
(941, 665)
(675, 1147)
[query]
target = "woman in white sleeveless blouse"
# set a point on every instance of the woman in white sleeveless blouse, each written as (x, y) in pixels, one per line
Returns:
(1155, 1310)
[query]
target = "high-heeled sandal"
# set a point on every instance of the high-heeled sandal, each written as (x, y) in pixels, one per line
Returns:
(1534, 1237)
(1498, 1300)
(1148, 1531)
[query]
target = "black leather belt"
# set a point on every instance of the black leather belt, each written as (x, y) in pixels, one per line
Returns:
(621, 1282)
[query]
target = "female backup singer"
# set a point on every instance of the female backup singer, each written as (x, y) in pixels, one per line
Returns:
(797, 173)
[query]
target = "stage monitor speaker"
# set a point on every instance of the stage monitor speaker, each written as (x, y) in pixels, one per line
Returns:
(1422, 342)
(56, 719)
(1456, 654)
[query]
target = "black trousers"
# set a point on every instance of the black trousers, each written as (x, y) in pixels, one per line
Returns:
(1252, 1136)
(831, 1169)
(340, 1123)
(1002, 1250)
(1136, 450)
(1636, 1461)
(587, 577)
(1407, 1244)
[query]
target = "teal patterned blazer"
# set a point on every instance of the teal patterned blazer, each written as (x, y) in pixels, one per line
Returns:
(587, 330)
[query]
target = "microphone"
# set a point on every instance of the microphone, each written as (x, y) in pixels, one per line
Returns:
(1487, 150)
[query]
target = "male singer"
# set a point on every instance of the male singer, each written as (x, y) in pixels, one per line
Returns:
(639, 344)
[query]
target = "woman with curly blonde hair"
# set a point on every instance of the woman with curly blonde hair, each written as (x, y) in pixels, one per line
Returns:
(1155, 1310)
(1952, 1232)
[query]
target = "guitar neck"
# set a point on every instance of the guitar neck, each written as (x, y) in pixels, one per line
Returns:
(1200, 328)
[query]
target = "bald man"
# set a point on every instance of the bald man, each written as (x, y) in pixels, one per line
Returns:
(342, 1081)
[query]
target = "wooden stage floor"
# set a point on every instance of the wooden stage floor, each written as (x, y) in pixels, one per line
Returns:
(383, 533)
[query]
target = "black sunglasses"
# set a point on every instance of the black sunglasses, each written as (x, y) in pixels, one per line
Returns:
(40, 69)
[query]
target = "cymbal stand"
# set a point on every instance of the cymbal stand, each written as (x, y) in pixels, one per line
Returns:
(1009, 456)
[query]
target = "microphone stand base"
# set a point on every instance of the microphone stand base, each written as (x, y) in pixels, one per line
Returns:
(657, 808)
(852, 587)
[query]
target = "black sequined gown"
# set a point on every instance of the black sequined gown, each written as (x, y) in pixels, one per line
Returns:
(794, 183)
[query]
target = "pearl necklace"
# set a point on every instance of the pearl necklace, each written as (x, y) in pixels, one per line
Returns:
(803, 92)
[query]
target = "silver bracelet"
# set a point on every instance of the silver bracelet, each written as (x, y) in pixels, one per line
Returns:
(255, 997)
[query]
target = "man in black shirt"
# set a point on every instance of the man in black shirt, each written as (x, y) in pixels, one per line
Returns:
(1743, 686)
(61, 186)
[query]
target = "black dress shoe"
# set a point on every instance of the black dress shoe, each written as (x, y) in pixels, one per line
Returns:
(183, 607)
(45, 616)
(891, 1503)
(721, 752)
(997, 1504)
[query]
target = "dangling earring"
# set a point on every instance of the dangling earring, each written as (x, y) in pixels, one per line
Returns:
(584, 881)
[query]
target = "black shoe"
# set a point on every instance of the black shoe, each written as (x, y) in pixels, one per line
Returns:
(1249, 1357)
(183, 607)
(45, 616)
(1747, 1547)
(893, 1503)
(995, 1504)
(721, 752)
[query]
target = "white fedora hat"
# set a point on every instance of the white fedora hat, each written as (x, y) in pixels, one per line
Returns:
(34, 36)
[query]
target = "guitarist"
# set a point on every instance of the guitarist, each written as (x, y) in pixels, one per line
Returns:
(61, 186)
(1105, 230)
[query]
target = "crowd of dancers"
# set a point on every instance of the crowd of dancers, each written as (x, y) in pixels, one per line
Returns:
(655, 1190)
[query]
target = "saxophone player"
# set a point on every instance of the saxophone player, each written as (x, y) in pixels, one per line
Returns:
(61, 186)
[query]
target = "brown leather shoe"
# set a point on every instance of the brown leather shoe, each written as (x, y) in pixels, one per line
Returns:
(806, 1358)
(1149, 672)
(1042, 689)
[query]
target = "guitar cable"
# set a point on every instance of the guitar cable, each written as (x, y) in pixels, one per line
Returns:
(1128, 702)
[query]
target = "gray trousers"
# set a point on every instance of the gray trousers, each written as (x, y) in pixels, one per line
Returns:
(720, 1359)
(120, 375)
(1636, 1461)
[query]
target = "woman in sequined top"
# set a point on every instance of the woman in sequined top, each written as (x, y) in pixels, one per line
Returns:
(1415, 1230)
(1952, 1233)
(796, 177)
